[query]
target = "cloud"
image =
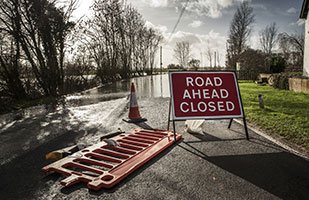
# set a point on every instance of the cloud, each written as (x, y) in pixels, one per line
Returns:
(181, 36)
(159, 3)
(258, 7)
(291, 10)
(254, 42)
(156, 3)
(209, 8)
(158, 28)
(199, 45)
(196, 24)
(300, 22)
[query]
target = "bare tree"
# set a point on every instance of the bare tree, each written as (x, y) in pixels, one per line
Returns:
(182, 53)
(296, 41)
(154, 42)
(10, 68)
(292, 48)
(268, 38)
(239, 33)
(118, 40)
(39, 28)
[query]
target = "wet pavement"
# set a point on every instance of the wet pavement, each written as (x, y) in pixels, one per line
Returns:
(217, 164)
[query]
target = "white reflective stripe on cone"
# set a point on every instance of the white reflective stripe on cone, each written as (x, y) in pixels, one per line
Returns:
(133, 100)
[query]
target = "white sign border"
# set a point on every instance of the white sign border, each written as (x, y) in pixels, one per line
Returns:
(205, 117)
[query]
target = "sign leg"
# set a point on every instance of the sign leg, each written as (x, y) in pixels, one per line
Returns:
(246, 129)
(174, 131)
(230, 124)
(169, 115)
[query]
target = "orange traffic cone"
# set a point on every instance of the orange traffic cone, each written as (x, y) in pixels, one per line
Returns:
(134, 116)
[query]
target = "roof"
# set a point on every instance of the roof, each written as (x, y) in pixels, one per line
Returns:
(304, 10)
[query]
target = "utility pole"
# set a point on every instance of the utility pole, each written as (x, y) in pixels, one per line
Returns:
(161, 60)
(218, 59)
(215, 59)
(148, 61)
(201, 64)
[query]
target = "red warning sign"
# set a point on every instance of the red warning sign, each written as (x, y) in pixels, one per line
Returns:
(205, 95)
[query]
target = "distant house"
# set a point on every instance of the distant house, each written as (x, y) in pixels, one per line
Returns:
(304, 15)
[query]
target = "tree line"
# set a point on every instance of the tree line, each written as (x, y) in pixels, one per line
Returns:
(288, 57)
(118, 41)
(185, 59)
(43, 51)
(240, 56)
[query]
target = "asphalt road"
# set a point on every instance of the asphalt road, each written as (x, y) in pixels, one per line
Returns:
(218, 164)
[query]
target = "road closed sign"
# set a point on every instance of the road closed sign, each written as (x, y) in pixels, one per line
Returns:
(205, 95)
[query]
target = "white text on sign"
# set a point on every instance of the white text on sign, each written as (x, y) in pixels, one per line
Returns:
(206, 95)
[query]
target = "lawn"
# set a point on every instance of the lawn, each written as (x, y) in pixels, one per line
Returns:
(286, 113)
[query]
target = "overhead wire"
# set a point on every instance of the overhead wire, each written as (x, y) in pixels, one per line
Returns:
(177, 22)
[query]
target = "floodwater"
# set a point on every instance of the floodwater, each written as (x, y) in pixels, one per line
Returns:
(145, 87)
(106, 98)
(101, 102)
(89, 110)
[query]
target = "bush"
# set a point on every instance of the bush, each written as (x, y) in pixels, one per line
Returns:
(277, 64)
(173, 66)
(281, 81)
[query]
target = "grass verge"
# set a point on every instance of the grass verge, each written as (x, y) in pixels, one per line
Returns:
(9, 106)
(286, 113)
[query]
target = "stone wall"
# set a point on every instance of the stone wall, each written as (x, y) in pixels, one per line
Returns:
(299, 85)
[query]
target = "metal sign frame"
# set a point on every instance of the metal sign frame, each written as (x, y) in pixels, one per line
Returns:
(231, 117)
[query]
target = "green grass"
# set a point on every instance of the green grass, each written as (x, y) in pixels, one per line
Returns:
(286, 113)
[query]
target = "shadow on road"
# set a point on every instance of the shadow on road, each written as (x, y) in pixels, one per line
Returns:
(24, 172)
(206, 137)
(282, 174)
(144, 125)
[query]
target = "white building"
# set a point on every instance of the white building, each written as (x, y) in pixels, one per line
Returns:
(304, 15)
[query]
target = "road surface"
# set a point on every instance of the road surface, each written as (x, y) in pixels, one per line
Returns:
(217, 164)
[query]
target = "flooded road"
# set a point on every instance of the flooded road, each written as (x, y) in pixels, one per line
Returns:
(99, 104)
(91, 109)
(27, 136)
(146, 87)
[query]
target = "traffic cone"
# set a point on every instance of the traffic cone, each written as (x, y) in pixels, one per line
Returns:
(134, 116)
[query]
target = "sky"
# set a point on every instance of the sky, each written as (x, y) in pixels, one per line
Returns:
(205, 23)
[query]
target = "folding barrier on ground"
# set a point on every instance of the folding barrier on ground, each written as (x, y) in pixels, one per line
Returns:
(101, 165)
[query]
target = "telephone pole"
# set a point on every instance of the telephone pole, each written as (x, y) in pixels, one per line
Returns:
(161, 60)
(201, 63)
(215, 59)
(218, 59)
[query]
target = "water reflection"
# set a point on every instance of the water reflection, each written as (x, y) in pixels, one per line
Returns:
(90, 105)
(152, 86)
(146, 87)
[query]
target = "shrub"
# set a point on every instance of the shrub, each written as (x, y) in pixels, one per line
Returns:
(173, 66)
(281, 80)
(277, 64)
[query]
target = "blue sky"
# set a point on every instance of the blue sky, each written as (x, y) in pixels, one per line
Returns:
(205, 23)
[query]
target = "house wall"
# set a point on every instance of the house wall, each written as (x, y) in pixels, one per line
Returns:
(306, 53)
